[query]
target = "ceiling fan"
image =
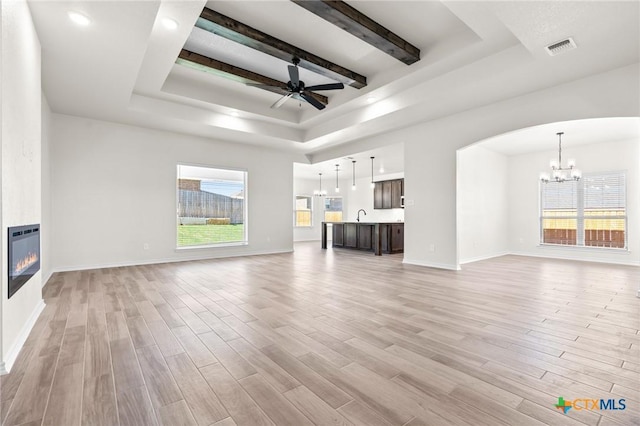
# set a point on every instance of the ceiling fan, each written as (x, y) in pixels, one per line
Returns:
(297, 90)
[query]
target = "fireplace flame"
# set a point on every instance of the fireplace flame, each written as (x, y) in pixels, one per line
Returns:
(26, 262)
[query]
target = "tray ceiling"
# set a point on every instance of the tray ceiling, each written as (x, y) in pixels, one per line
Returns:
(122, 67)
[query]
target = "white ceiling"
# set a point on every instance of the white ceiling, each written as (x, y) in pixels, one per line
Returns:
(388, 159)
(122, 67)
(577, 132)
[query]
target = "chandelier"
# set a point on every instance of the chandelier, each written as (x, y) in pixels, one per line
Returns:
(559, 173)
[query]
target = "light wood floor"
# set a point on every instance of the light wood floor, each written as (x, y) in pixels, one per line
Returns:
(330, 337)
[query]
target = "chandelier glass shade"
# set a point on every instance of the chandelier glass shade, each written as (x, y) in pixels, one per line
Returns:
(559, 173)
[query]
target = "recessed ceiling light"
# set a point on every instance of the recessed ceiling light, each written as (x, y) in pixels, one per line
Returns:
(235, 113)
(169, 23)
(79, 19)
(371, 99)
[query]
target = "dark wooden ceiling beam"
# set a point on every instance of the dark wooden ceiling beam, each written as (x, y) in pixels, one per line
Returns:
(213, 66)
(366, 29)
(231, 29)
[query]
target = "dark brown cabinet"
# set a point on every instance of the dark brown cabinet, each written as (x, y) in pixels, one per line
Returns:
(338, 235)
(377, 196)
(392, 237)
(365, 237)
(388, 194)
(397, 191)
(362, 236)
(350, 235)
(396, 238)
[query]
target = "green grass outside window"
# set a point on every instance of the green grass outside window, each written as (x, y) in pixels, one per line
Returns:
(193, 235)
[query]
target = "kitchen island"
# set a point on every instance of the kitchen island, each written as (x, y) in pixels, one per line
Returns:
(378, 237)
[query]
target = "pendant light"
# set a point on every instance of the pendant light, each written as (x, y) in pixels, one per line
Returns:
(337, 182)
(558, 172)
(320, 192)
(353, 186)
(373, 184)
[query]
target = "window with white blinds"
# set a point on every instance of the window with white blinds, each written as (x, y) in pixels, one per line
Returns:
(590, 212)
(559, 219)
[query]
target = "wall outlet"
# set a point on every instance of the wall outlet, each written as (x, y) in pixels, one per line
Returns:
(432, 247)
(145, 246)
(409, 203)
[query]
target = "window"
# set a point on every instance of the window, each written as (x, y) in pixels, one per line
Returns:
(605, 213)
(560, 212)
(303, 211)
(590, 212)
(212, 206)
(333, 209)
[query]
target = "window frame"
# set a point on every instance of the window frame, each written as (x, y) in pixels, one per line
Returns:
(245, 208)
(581, 217)
(324, 208)
(295, 211)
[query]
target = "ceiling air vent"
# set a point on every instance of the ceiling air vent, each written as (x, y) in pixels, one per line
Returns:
(561, 46)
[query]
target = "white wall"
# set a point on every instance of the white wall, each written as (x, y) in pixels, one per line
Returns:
(46, 230)
(482, 203)
(362, 198)
(21, 165)
(114, 191)
(430, 151)
(524, 171)
(306, 187)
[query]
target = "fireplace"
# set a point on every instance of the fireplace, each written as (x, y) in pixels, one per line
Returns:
(24, 255)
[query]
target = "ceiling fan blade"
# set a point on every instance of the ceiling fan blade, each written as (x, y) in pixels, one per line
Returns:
(280, 101)
(331, 86)
(313, 101)
(293, 75)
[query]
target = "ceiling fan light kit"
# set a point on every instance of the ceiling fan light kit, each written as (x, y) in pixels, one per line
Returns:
(297, 89)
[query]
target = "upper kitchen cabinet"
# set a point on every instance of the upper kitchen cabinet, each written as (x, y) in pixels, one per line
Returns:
(388, 194)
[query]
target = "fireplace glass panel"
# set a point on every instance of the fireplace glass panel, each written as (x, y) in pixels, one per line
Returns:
(24, 255)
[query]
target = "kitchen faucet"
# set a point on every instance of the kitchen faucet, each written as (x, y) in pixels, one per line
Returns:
(361, 210)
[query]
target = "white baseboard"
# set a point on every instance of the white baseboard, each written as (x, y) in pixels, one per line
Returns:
(479, 258)
(167, 260)
(46, 278)
(448, 266)
(7, 364)
(561, 256)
